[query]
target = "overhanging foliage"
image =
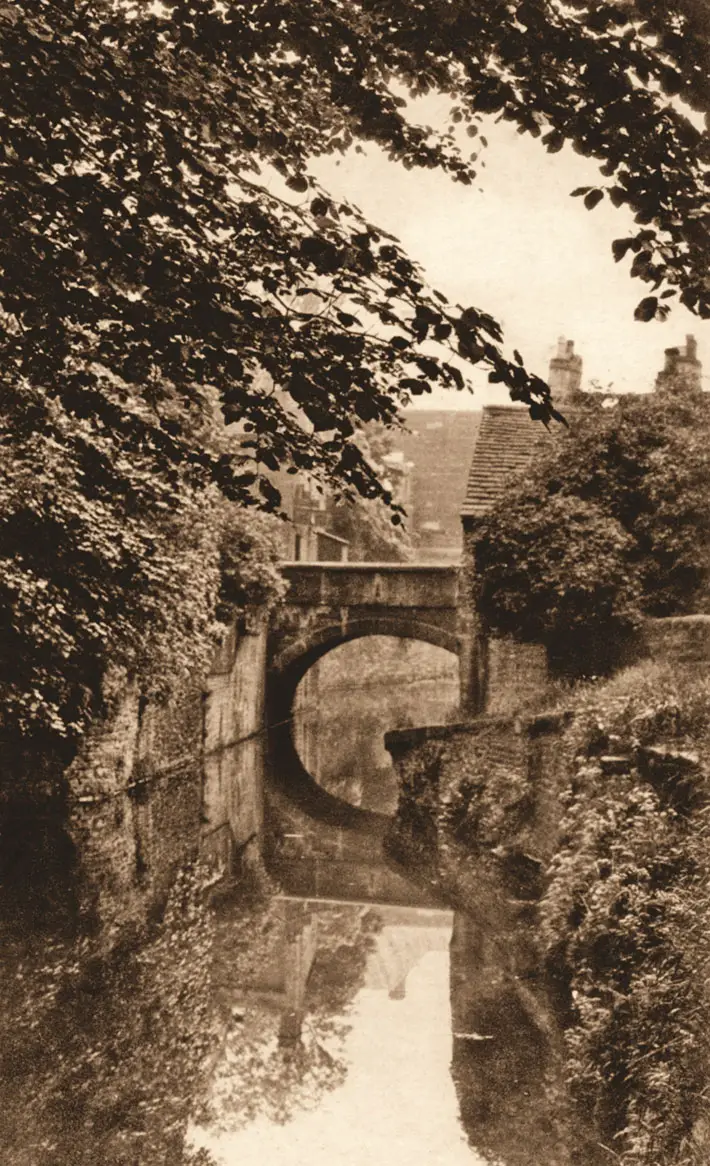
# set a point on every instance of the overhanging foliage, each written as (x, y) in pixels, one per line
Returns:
(156, 282)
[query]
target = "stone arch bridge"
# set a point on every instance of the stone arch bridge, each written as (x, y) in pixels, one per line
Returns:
(329, 604)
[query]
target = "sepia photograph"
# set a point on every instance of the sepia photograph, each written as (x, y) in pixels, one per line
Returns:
(355, 582)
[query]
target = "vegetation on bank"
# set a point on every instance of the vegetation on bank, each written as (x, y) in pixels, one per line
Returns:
(111, 571)
(611, 525)
(626, 914)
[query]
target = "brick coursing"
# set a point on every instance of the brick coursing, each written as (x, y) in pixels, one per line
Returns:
(681, 639)
(486, 811)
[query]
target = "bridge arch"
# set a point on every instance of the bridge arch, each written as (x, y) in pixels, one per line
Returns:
(303, 653)
(288, 667)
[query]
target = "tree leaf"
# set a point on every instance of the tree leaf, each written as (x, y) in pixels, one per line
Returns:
(593, 198)
(646, 309)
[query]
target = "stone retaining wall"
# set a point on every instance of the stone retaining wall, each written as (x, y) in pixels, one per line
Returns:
(156, 786)
(681, 639)
(479, 812)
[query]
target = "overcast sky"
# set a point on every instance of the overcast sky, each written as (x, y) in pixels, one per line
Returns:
(518, 246)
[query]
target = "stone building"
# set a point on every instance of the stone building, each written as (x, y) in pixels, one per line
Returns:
(437, 446)
(507, 440)
(499, 674)
(317, 529)
(306, 536)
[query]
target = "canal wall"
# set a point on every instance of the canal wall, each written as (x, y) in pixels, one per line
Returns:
(155, 786)
(478, 818)
(508, 766)
(480, 823)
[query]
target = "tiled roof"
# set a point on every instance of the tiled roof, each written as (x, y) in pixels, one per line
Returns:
(506, 441)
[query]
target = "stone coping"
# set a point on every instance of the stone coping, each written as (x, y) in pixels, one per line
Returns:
(367, 567)
(693, 617)
(401, 739)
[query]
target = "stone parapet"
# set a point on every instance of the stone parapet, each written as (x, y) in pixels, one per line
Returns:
(677, 639)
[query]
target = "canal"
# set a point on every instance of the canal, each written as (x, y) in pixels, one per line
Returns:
(274, 1028)
(339, 1047)
(330, 1011)
(367, 1033)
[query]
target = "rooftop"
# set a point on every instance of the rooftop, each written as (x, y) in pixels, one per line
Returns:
(507, 438)
(506, 441)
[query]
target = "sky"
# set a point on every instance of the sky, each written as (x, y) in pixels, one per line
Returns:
(518, 246)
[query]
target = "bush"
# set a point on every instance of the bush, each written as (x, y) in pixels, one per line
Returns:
(613, 523)
(559, 571)
(250, 549)
(626, 916)
(110, 570)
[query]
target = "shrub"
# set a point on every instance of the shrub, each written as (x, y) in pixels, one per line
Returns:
(627, 914)
(559, 571)
(611, 524)
(110, 570)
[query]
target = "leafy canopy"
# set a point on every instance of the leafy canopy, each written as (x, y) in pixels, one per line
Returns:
(176, 325)
(144, 256)
(612, 524)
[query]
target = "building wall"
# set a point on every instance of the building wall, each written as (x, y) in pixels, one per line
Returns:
(438, 445)
(499, 675)
(515, 675)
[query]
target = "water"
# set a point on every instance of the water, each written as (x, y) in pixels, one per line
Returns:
(280, 1030)
(339, 1046)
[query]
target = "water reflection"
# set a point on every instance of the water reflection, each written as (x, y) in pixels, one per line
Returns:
(283, 1042)
(507, 1061)
(294, 1030)
(339, 1048)
(352, 696)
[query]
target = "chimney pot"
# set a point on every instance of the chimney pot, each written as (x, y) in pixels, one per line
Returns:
(565, 376)
(682, 367)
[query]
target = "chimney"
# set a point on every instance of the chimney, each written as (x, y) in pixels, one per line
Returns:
(565, 376)
(682, 369)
